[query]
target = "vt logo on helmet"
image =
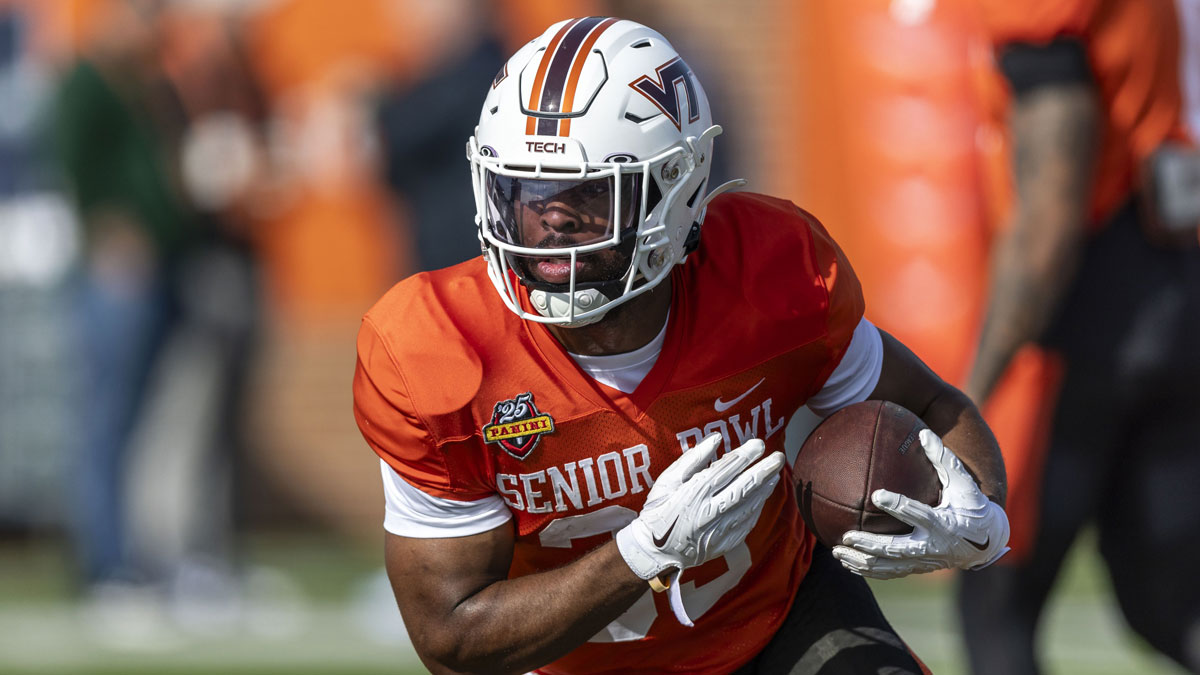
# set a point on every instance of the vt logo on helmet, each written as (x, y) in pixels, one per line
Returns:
(590, 165)
(664, 92)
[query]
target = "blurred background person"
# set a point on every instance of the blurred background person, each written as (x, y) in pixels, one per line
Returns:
(114, 159)
(899, 153)
(1098, 274)
(191, 440)
(153, 130)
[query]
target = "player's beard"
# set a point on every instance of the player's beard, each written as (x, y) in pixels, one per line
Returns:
(605, 266)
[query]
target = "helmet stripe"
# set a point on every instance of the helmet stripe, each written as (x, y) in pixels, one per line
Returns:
(576, 69)
(540, 78)
(560, 64)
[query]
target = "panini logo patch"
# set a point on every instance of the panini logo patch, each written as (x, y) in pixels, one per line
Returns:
(517, 425)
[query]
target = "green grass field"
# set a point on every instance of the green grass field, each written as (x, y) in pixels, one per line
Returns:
(317, 607)
(1084, 633)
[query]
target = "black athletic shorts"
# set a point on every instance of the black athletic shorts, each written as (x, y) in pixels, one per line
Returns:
(835, 626)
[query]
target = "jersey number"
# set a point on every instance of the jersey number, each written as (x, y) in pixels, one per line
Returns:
(635, 623)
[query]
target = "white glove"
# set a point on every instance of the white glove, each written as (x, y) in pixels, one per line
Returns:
(692, 516)
(966, 530)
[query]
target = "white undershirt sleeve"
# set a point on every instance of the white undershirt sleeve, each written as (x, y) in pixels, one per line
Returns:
(412, 513)
(856, 376)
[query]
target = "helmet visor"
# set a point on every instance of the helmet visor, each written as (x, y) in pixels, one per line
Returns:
(561, 214)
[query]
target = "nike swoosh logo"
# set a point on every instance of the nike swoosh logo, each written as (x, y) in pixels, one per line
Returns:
(662, 541)
(722, 406)
(981, 547)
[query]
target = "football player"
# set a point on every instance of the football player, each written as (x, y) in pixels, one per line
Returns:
(1104, 275)
(580, 432)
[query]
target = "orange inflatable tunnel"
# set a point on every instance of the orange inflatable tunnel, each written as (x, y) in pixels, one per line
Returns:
(900, 160)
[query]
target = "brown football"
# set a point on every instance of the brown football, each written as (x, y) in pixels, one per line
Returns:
(855, 451)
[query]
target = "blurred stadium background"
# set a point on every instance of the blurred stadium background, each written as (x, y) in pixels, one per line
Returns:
(199, 198)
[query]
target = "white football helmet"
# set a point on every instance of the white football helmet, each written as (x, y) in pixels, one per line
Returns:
(590, 166)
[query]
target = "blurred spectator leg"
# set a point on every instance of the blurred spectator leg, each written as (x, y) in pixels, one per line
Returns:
(120, 317)
(182, 478)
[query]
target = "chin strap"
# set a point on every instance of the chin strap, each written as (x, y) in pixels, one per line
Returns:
(559, 305)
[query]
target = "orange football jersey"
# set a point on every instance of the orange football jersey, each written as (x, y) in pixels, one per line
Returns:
(465, 400)
(1133, 49)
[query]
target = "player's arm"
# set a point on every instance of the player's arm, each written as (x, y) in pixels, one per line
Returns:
(875, 365)
(905, 379)
(463, 613)
(1054, 124)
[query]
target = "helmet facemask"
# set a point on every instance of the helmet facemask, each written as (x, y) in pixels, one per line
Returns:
(580, 239)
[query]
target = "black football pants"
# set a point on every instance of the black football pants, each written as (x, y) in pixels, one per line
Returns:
(1124, 454)
(835, 627)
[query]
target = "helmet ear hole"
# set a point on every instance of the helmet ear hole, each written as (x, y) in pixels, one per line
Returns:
(654, 195)
(699, 189)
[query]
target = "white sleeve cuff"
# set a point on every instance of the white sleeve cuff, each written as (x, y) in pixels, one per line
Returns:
(856, 376)
(412, 513)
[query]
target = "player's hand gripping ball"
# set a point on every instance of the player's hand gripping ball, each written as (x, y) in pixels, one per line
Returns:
(906, 523)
